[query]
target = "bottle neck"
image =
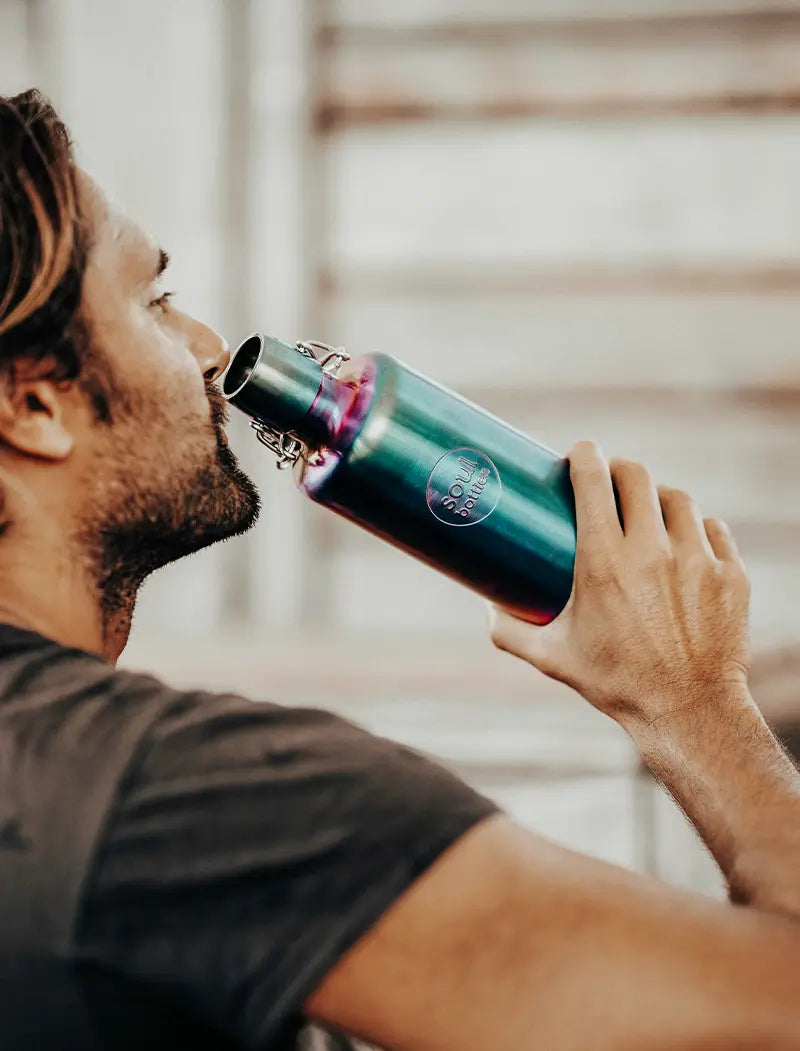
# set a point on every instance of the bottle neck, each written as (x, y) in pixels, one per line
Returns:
(281, 387)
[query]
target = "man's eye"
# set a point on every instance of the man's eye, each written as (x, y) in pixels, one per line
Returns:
(162, 302)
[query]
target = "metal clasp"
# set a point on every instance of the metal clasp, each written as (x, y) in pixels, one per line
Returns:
(334, 356)
(284, 444)
(287, 447)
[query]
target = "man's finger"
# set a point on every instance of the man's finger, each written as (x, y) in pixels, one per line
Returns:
(638, 500)
(721, 539)
(683, 521)
(595, 505)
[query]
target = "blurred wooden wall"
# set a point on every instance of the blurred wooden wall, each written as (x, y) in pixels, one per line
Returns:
(586, 216)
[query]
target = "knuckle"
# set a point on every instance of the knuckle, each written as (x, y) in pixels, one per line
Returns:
(593, 541)
(700, 566)
(599, 573)
(740, 579)
(655, 561)
(730, 582)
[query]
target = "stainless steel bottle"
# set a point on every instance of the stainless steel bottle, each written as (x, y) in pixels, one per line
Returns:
(416, 464)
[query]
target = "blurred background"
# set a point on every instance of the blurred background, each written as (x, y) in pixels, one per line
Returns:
(582, 214)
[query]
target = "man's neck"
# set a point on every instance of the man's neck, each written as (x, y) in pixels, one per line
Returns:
(52, 594)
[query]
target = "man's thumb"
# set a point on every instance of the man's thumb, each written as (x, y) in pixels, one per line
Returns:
(530, 642)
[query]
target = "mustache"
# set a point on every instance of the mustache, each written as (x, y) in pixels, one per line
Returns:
(219, 407)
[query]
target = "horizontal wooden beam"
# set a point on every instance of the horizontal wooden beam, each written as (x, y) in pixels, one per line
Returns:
(417, 682)
(771, 399)
(725, 341)
(566, 69)
(374, 29)
(603, 279)
(330, 116)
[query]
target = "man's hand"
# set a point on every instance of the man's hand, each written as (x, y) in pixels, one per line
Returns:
(657, 619)
(655, 635)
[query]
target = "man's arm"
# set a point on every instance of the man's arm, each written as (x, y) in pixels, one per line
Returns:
(723, 766)
(655, 635)
(509, 943)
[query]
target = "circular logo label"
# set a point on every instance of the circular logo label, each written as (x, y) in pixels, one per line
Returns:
(463, 488)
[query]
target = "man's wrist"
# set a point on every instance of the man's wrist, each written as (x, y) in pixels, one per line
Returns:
(701, 714)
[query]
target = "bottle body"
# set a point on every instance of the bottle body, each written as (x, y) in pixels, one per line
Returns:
(445, 481)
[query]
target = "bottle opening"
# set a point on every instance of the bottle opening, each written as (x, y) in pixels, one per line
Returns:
(241, 367)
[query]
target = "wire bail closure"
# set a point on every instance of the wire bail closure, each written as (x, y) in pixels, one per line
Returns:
(286, 445)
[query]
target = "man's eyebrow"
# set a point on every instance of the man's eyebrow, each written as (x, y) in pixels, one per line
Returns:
(163, 262)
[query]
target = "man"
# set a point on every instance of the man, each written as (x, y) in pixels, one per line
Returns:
(201, 871)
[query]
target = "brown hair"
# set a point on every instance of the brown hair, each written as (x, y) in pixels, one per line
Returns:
(42, 249)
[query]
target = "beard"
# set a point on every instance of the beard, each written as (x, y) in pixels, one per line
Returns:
(182, 496)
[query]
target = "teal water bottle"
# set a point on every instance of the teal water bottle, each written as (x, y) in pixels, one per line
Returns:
(416, 464)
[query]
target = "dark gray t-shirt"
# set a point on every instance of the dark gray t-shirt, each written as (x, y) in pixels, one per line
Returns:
(223, 853)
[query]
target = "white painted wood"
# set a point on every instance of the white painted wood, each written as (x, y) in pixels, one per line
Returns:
(375, 587)
(595, 816)
(279, 265)
(641, 193)
(150, 131)
(15, 59)
(680, 66)
(774, 614)
(681, 858)
(739, 462)
(389, 14)
(549, 739)
(55, 43)
(388, 592)
(482, 339)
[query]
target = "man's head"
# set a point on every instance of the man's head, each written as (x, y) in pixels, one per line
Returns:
(111, 433)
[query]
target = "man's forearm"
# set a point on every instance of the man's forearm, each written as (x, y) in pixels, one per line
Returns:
(719, 760)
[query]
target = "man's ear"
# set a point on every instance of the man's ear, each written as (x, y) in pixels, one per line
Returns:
(32, 418)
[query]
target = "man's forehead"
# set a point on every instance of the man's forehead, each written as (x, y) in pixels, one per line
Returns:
(110, 225)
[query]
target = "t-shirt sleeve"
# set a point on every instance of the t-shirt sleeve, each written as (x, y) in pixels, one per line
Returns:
(251, 845)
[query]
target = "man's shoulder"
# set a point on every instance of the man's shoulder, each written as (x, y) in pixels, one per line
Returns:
(61, 699)
(66, 706)
(72, 728)
(41, 678)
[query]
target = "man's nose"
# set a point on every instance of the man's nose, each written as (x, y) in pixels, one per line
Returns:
(210, 351)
